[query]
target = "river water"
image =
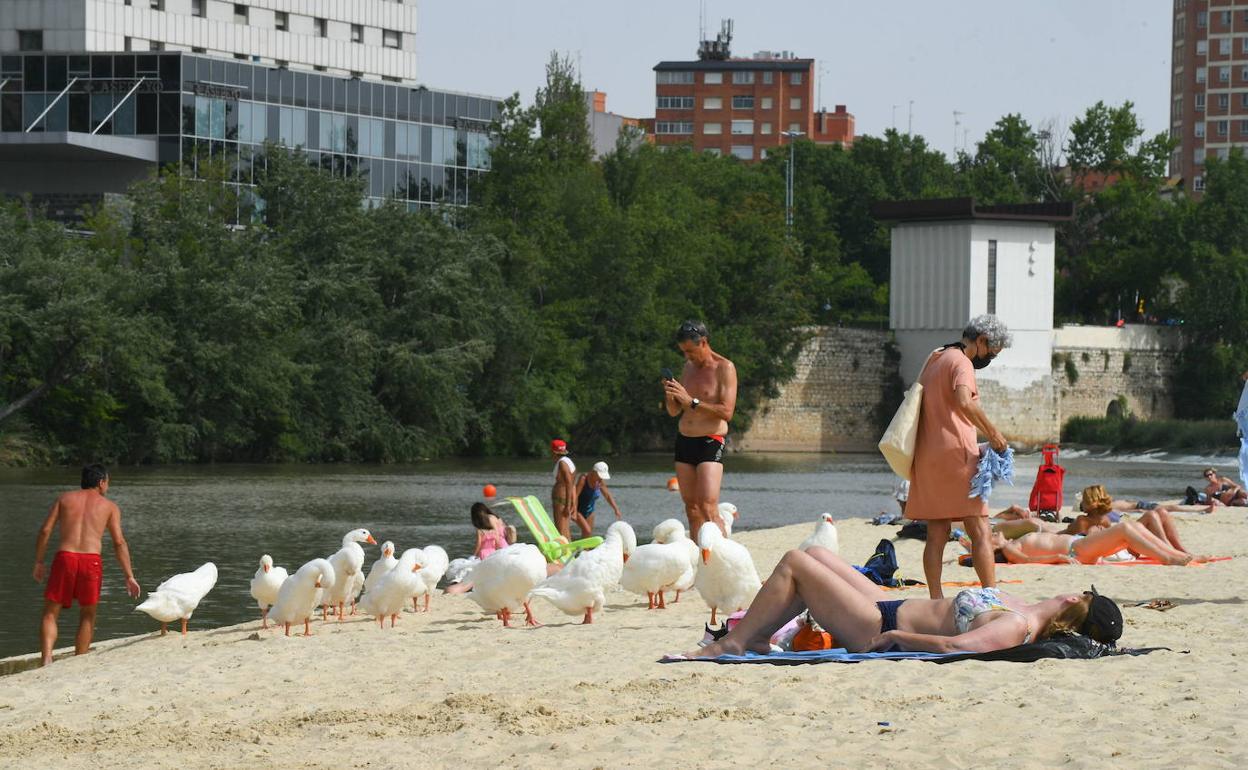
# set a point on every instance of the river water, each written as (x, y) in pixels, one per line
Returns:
(178, 517)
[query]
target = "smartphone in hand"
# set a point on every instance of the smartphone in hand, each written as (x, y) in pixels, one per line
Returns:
(667, 373)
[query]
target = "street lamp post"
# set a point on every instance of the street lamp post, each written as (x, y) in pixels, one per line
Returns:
(788, 182)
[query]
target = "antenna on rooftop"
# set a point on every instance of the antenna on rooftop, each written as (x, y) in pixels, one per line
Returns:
(957, 123)
(702, 20)
(720, 48)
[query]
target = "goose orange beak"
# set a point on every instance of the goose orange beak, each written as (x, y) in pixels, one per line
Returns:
(370, 540)
(318, 582)
(626, 558)
(706, 555)
(415, 568)
(265, 566)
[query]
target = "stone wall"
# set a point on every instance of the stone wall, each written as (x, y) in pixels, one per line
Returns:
(847, 386)
(1093, 366)
(844, 379)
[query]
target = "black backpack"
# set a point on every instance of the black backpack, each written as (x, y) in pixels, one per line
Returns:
(882, 565)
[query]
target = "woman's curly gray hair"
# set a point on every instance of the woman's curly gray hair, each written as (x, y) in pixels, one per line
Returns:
(991, 327)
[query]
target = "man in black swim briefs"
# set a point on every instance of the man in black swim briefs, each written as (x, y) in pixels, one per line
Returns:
(704, 397)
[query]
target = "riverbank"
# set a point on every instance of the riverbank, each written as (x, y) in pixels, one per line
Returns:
(1127, 433)
(453, 688)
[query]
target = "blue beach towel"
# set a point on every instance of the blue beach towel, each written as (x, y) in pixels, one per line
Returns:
(837, 655)
(994, 466)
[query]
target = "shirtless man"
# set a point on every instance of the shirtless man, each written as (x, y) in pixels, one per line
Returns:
(77, 571)
(563, 491)
(705, 397)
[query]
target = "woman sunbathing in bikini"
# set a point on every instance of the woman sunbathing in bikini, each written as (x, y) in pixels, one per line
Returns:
(861, 616)
(1057, 548)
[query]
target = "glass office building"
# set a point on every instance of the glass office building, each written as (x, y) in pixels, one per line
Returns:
(77, 126)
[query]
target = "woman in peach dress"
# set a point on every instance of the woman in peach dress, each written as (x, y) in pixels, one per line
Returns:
(946, 451)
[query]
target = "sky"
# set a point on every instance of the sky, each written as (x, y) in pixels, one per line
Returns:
(1048, 60)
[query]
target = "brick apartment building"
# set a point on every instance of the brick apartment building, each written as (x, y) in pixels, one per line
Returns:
(742, 107)
(1209, 85)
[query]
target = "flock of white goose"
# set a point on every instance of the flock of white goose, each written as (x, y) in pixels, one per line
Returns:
(721, 569)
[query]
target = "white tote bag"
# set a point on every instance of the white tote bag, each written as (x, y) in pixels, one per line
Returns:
(897, 443)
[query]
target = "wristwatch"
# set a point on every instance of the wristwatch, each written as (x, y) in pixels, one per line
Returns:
(694, 404)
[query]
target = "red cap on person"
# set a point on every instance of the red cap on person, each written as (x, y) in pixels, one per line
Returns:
(559, 446)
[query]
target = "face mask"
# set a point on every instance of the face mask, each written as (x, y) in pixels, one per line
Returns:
(979, 362)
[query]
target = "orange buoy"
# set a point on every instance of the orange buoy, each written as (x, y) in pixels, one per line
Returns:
(489, 490)
(673, 485)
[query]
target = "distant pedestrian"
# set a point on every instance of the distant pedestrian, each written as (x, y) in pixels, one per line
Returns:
(946, 452)
(589, 487)
(705, 397)
(80, 517)
(563, 491)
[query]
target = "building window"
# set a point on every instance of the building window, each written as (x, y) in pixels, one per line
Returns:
(712, 128)
(743, 151)
(1201, 74)
(1243, 100)
(1224, 46)
(1198, 156)
(992, 277)
(1202, 19)
(1198, 184)
(157, 5)
(795, 78)
(712, 78)
(357, 33)
(321, 26)
(240, 56)
(1223, 127)
(765, 128)
(795, 128)
(767, 77)
(240, 13)
(282, 64)
(1243, 73)
(709, 103)
(198, 8)
(743, 78)
(795, 103)
(198, 49)
(1198, 129)
(766, 103)
(1243, 42)
(1243, 128)
(129, 44)
(320, 68)
(745, 127)
(281, 21)
(674, 102)
(672, 78)
(391, 38)
(30, 40)
(1180, 26)
(743, 102)
(1224, 101)
(714, 151)
(1202, 47)
(673, 127)
(1226, 18)
(1224, 74)
(1200, 102)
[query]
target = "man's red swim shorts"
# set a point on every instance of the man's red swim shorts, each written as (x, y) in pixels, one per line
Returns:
(75, 576)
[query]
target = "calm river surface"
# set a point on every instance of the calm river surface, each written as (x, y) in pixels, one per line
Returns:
(178, 517)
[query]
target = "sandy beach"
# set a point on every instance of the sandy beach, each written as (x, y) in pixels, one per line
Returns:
(452, 688)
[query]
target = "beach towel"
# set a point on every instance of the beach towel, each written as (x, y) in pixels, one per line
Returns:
(965, 561)
(994, 466)
(1069, 647)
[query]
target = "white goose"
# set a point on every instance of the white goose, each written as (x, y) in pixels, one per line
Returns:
(728, 515)
(384, 564)
(727, 578)
(297, 598)
(434, 561)
(673, 531)
(654, 567)
(503, 580)
(580, 587)
(177, 597)
(265, 585)
(824, 535)
(347, 562)
(389, 594)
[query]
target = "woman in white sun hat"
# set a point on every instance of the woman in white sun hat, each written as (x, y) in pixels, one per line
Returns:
(589, 487)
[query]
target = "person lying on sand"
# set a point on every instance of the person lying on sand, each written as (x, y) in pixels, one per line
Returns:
(1056, 548)
(862, 617)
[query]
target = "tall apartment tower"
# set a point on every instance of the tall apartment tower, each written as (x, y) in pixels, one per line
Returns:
(373, 39)
(1208, 86)
(741, 107)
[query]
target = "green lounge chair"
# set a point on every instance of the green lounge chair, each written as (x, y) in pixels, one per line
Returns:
(554, 546)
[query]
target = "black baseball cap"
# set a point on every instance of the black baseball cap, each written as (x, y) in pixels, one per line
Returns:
(1104, 621)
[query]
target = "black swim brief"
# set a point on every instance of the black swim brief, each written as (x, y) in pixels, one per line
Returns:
(695, 450)
(888, 619)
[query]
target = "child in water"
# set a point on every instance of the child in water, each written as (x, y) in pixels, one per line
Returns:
(493, 534)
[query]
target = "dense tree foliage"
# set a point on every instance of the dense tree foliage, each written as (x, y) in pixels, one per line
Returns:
(328, 331)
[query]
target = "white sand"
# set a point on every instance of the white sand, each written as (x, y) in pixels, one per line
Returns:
(452, 688)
